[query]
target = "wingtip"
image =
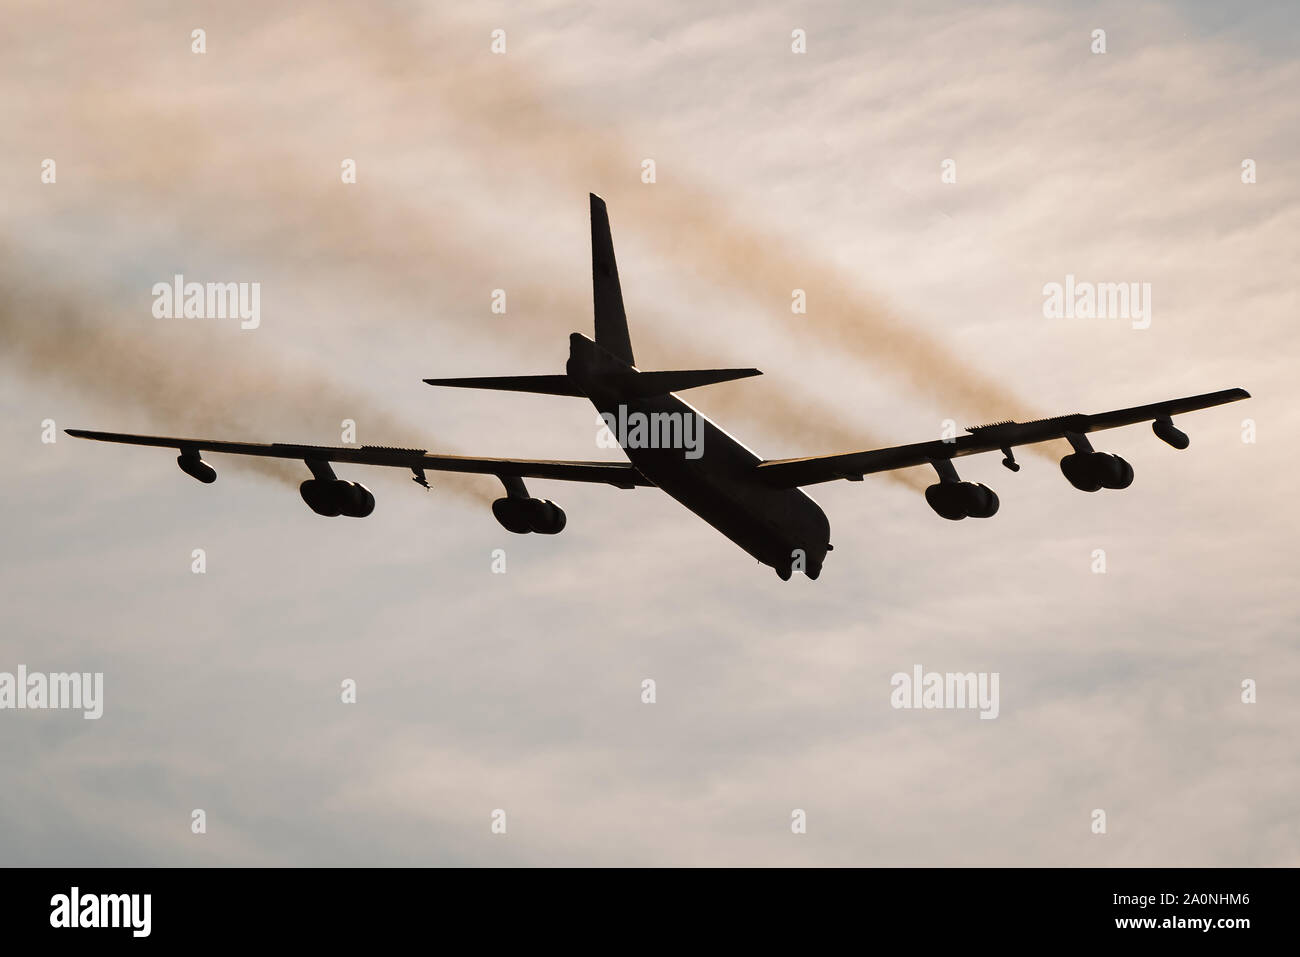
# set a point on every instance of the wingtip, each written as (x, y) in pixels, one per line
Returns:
(1244, 393)
(596, 201)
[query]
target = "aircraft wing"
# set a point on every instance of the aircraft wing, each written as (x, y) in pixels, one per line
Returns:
(619, 474)
(793, 473)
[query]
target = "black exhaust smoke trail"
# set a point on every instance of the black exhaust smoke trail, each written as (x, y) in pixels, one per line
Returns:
(499, 99)
(317, 227)
(201, 390)
(151, 156)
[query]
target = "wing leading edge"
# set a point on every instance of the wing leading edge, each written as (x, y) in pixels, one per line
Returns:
(780, 473)
(793, 473)
(618, 474)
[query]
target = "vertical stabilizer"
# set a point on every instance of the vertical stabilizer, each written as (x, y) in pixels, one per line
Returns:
(611, 321)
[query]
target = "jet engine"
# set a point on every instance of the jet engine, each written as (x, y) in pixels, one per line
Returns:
(524, 515)
(1164, 428)
(191, 464)
(332, 497)
(1089, 471)
(957, 500)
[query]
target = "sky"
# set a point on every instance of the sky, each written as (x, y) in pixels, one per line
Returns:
(522, 692)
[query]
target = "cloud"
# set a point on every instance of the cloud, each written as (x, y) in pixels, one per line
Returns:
(520, 690)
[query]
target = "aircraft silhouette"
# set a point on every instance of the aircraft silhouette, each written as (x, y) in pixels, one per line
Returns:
(760, 505)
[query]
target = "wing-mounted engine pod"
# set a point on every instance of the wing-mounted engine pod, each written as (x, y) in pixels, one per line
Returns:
(1165, 431)
(332, 497)
(524, 515)
(327, 494)
(355, 499)
(520, 513)
(953, 499)
(1090, 471)
(191, 464)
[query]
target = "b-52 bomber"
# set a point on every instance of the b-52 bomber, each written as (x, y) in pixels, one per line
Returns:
(759, 504)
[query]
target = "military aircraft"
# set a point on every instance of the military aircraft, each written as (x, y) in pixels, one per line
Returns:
(758, 504)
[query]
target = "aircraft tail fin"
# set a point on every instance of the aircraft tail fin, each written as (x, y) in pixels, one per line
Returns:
(607, 295)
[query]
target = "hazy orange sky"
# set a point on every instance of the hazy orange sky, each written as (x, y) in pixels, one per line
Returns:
(775, 171)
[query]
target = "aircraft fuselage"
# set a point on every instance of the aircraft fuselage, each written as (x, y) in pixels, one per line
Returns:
(717, 478)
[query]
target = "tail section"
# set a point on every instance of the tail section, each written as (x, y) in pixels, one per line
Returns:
(609, 372)
(607, 295)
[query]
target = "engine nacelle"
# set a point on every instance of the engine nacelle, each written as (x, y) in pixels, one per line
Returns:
(981, 501)
(357, 501)
(331, 497)
(191, 464)
(524, 515)
(957, 500)
(1164, 429)
(510, 513)
(545, 517)
(1089, 471)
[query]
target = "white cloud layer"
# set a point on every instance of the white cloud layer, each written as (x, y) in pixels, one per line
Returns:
(522, 691)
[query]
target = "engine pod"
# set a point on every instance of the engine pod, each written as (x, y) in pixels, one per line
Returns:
(321, 497)
(1167, 433)
(511, 513)
(545, 517)
(191, 464)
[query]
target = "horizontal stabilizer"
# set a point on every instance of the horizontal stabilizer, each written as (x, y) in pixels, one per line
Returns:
(542, 384)
(632, 385)
(642, 385)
